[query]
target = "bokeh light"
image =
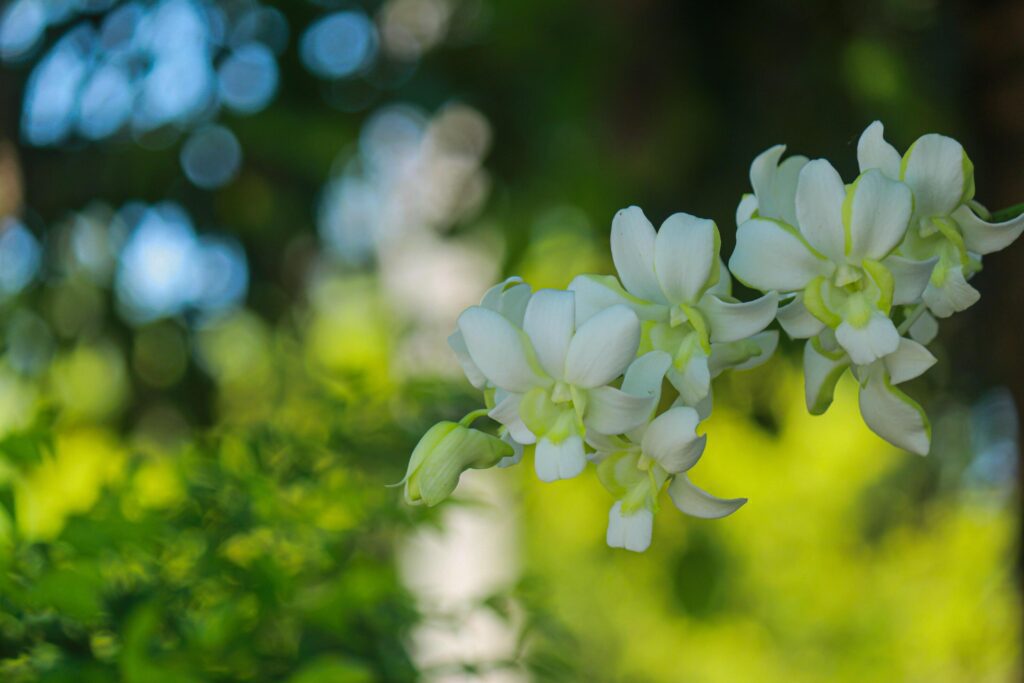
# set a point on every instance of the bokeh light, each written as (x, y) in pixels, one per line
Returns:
(339, 45)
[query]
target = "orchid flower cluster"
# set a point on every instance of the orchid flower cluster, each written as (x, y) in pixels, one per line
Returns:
(617, 371)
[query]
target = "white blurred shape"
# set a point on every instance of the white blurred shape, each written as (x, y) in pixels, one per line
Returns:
(51, 94)
(106, 102)
(409, 28)
(22, 25)
(248, 78)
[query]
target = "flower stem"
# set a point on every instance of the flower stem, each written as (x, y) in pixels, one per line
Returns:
(912, 318)
(1008, 213)
(468, 420)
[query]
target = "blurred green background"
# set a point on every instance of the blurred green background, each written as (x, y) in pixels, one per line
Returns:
(235, 235)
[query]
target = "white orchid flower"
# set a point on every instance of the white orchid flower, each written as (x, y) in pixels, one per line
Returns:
(833, 259)
(675, 282)
(889, 412)
(552, 377)
(635, 467)
(947, 226)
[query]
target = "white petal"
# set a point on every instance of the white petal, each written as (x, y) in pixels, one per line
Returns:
(735, 321)
(671, 439)
(911, 277)
(697, 503)
(797, 321)
(724, 355)
(602, 347)
(819, 208)
(775, 183)
(705, 405)
(692, 382)
(644, 375)
(908, 361)
(472, 372)
(563, 460)
(508, 298)
(506, 411)
(723, 286)
(517, 451)
(879, 214)
(501, 350)
(613, 411)
(771, 255)
(953, 296)
(594, 293)
(549, 322)
(746, 208)
(984, 238)
(821, 373)
(925, 329)
(632, 532)
(686, 250)
(867, 344)
(894, 416)
(633, 253)
(934, 169)
(874, 152)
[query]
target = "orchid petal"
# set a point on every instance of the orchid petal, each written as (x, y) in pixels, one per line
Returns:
(772, 255)
(982, 237)
(613, 411)
(632, 532)
(686, 251)
(602, 347)
(775, 183)
(908, 361)
(910, 277)
(562, 460)
(633, 253)
(517, 451)
(955, 294)
(506, 411)
(743, 354)
(549, 322)
(874, 152)
(879, 212)
(746, 208)
(500, 350)
(819, 208)
(797, 321)
(925, 329)
(671, 439)
(692, 382)
(644, 375)
(933, 167)
(869, 342)
(469, 368)
(894, 416)
(697, 503)
(508, 298)
(822, 370)
(594, 293)
(735, 321)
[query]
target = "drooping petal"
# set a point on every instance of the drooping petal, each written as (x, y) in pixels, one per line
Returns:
(633, 253)
(693, 382)
(632, 532)
(686, 251)
(469, 368)
(501, 350)
(910, 278)
(743, 354)
(506, 411)
(819, 208)
(746, 208)
(671, 439)
(594, 293)
(925, 329)
(797, 321)
(613, 411)
(879, 212)
(644, 375)
(908, 361)
(955, 294)
(934, 168)
(772, 255)
(602, 347)
(822, 370)
(894, 416)
(982, 237)
(735, 321)
(874, 152)
(549, 323)
(870, 342)
(563, 460)
(697, 503)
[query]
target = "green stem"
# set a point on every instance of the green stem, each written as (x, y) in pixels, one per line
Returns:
(912, 318)
(468, 420)
(1008, 213)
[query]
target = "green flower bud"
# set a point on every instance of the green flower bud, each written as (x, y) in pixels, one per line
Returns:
(443, 454)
